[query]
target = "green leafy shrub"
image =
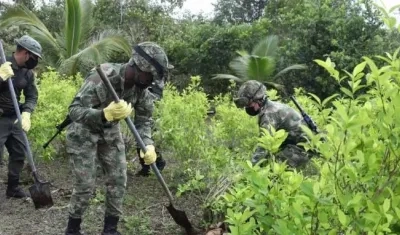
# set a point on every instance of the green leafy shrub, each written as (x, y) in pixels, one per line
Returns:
(357, 189)
(55, 95)
(206, 147)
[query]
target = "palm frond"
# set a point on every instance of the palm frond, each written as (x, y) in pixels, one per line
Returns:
(290, 68)
(260, 68)
(228, 77)
(277, 86)
(242, 53)
(73, 27)
(87, 25)
(266, 47)
(97, 51)
(22, 17)
(239, 66)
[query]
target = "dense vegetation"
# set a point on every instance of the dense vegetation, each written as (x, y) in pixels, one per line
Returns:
(350, 86)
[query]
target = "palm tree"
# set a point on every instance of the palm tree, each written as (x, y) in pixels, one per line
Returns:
(75, 46)
(260, 65)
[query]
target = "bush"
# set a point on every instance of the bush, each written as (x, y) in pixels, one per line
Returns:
(55, 95)
(206, 147)
(357, 189)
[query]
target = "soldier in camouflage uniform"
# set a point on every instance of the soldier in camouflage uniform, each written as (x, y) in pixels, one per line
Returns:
(252, 96)
(95, 131)
(18, 68)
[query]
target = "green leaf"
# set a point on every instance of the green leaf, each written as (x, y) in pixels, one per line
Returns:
(397, 210)
(246, 215)
(386, 205)
(356, 200)
(290, 68)
(384, 59)
(280, 226)
(342, 217)
(359, 68)
(72, 30)
(329, 98)
(333, 232)
(372, 217)
(298, 208)
(329, 67)
(372, 65)
(316, 98)
(396, 52)
(347, 92)
(228, 77)
(307, 189)
(371, 160)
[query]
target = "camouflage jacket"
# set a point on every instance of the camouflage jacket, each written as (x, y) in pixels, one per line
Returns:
(93, 97)
(280, 116)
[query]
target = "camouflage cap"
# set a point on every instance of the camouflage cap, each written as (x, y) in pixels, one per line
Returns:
(30, 44)
(155, 52)
(250, 91)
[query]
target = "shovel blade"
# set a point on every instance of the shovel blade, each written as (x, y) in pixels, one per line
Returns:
(41, 195)
(180, 218)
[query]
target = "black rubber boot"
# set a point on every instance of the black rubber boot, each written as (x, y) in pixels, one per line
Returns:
(13, 190)
(110, 226)
(74, 227)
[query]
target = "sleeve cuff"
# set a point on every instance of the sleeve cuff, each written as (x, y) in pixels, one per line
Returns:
(96, 116)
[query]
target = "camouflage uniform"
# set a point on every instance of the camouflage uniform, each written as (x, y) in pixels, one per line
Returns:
(88, 137)
(280, 116)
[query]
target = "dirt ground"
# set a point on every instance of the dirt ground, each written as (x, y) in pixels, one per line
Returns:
(144, 210)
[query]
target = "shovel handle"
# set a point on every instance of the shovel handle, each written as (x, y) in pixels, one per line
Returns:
(17, 111)
(135, 133)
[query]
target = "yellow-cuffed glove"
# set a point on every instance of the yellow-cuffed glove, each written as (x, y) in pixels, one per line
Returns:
(150, 156)
(6, 71)
(117, 111)
(26, 121)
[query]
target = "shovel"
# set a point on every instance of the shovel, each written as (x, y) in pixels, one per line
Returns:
(179, 216)
(40, 191)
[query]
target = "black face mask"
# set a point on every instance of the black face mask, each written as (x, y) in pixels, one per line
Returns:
(31, 63)
(141, 85)
(251, 111)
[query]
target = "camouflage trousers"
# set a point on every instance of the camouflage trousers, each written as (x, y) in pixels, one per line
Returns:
(83, 147)
(293, 155)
